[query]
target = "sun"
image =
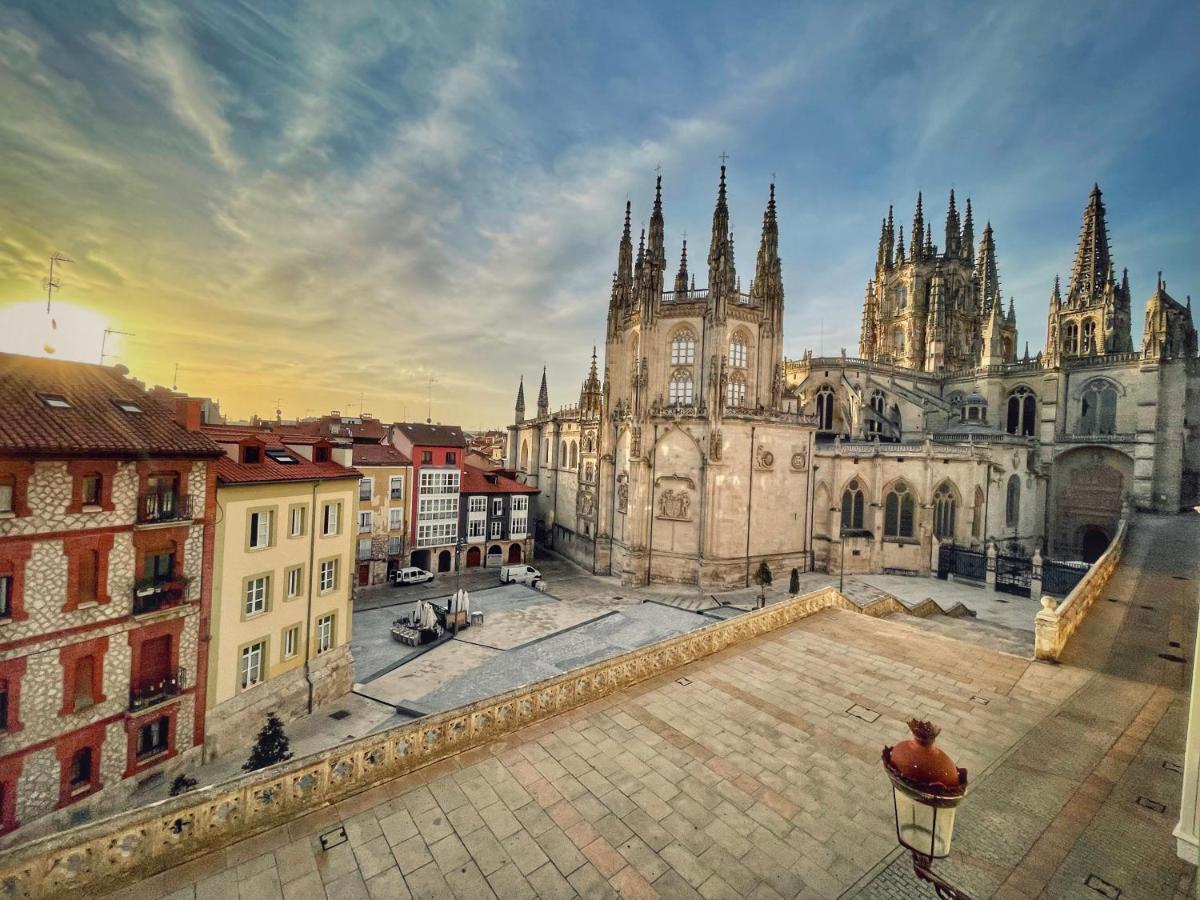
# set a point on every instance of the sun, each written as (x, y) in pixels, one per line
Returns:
(69, 331)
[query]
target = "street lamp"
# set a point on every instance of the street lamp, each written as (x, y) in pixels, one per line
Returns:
(842, 567)
(926, 789)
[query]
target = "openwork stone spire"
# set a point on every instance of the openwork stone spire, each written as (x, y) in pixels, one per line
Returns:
(953, 229)
(1092, 270)
(681, 277)
(768, 275)
(986, 272)
(918, 229)
(520, 407)
(543, 397)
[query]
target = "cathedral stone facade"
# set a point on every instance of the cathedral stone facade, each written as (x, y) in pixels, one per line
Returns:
(703, 452)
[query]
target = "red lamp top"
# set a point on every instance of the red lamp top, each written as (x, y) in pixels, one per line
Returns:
(921, 765)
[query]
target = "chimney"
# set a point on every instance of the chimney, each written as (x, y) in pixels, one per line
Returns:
(187, 412)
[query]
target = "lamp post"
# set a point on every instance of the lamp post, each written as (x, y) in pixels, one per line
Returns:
(926, 789)
(842, 567)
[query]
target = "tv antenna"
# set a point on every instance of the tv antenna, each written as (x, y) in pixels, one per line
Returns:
(175, 378)
(104, 342)
(49, 283)
(429, 402)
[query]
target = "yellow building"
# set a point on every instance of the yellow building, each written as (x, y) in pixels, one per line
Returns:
(383, 503)
(282, 581)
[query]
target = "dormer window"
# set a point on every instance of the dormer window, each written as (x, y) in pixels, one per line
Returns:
(55, 401)
(320, 454)
(251, 453)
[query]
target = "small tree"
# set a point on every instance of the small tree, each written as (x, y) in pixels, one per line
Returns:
(271, 746)
(762, 577)
(182, 784)
(794, 586)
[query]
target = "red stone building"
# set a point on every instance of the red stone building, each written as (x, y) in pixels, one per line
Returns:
(106, 504)
(437, 453)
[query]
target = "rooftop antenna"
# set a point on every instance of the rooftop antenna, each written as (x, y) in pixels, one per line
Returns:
(51, 286)
(175, 378)
(429, 406)
(104, 341)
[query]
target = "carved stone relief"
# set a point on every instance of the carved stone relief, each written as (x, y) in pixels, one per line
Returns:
(764, 458)
(675, 504)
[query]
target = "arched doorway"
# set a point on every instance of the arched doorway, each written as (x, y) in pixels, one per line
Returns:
(420, 559)
(474, 557)
(514, 553)
(1093, 543)
(445, 560)
(494, 555)
(1087, 485)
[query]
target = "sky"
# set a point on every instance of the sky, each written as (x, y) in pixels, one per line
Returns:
(326, 205)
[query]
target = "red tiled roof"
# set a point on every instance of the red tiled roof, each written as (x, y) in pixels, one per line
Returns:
(379, 455)
(93, 423)
(477, 481)
(230, 471)
(420, 434)
(480, 460)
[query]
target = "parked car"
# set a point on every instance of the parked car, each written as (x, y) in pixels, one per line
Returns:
(411, 575)
(520, 574)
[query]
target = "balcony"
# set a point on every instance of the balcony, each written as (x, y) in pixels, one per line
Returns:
(159, 592)
(148, 695)
(157, 507)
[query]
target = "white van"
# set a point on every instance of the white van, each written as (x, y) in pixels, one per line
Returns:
(520, 573)
(411, 575)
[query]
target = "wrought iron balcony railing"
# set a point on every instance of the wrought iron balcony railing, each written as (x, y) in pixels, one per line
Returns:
(158, 592)
(163, 506)
(148, 695)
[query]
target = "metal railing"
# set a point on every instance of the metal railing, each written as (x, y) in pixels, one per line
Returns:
(159, 592)
(163, 506)
(156, 692)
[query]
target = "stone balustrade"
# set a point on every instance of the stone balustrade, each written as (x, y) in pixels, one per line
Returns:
(1056, 622)
(136, 844)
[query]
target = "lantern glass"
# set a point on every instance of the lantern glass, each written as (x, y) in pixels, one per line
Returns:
(922, 827)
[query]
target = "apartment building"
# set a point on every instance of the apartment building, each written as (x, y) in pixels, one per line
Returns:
(436, 452)
(383, 498)
(283, 564)
(494, 518)
(106, 538)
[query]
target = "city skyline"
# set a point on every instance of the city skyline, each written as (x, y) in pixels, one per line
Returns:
(287, 207)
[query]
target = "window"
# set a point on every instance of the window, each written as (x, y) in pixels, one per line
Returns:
(260, 529)
(852, 507)
(1012, 505)
(324, 633)
(296, 527)
(364, 522)
(89, 577)
(525, 455)
(735, 393)
(256, 594)
(160, 566)
(1088, 344)
(520, 503)
(944, 510)
(520, 525)
(127, 406)
(291, 641)
(395, 520)
(252, 665)
(825, 408)
(330, 520)
(152, 737)
(680, 391)
(1022, 412)
(364, 548)
(877, 403)
(91, 490)
(6, 590)
(295, 580)
(478, 504)
(1098, 410)
(55, 401)
(898, 512)
(85, 675)
(282, 457)
(328, 575)
(8, 489)
(547, 443)
(394, 546)
(81, 769)
(475, 528)
(977, 514)
(4, 720)
(574, 454)
(497, 506)
(898, 340)
(562, 454)
(320, 453)
(901, 298)
(427, 456)
(683, 349)
(366, 488)
(452, 459)
(251, 453)
(1070, 337)
(737, 352)
(396, 487)
(496, 528)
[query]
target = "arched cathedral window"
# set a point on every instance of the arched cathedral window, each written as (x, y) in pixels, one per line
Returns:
(825, 408)
(680, 391)
(737, 352)
(898, 512)
(977, 514)
(898, 340)
(1012, 505)
(852, 507)
(525, 454)
(1070, 338)
(1098, 409)
(562, 454)
(1089, 336)
(1022, 412)
(683, 349)
(735, 392)
(877, 403)
(547, 442)
(945, 508)
(574, 454)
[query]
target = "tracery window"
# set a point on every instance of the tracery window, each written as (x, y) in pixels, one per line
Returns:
(524, 454)
(680, 390)
(825, 408)
(574, 454)
(683, 349)
(945, 509)
(977, 514)
(898, 512)
(1098, 409)
(1070, 337)
(852, 506)
(1012, 505)
(737, 352)
(1022, 412)
(562, 454)
(1089, 336)
(877, 403)
(735, 393)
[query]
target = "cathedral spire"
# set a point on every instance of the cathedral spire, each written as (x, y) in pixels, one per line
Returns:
(930, 250)
(622, 289)
(1012, 311)
(900, 247)
(655, 263)
(988, 277)
(918, 229)
(722, 275)
(681, 277)
(953, 229)
(591, 395)
(968, 234)
(543, 407)
(641, 257)
(768, 281)
(520, 407)
(1092, 270)
(881, 255)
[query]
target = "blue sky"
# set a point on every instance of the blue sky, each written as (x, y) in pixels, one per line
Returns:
(313, 202)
